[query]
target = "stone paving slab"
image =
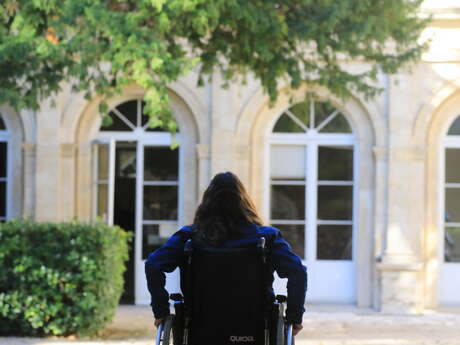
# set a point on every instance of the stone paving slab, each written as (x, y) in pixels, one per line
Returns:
(299, 341)
(323, 325)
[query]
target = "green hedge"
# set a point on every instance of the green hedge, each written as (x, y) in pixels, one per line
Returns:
(59, 279)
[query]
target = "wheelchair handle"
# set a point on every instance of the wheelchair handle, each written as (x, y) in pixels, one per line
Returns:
(281, 298)
(176, 297)
(188, 246)
(261, 243)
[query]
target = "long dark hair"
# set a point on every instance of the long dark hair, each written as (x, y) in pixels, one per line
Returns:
(225, 210)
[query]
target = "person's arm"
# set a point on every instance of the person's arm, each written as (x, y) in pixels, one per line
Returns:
(165, 259)
(289, 265)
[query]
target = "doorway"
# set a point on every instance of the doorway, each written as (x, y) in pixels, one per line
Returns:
(136, 187)
(313, 165)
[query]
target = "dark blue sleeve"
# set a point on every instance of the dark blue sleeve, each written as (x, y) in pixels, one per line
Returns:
(165, 259)
(289, 265)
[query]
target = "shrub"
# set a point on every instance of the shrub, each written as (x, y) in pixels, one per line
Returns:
(59, 279)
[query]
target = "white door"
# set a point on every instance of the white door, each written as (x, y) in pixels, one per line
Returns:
(136, 186)
(157, 209)
(449, 286)
(312, 196)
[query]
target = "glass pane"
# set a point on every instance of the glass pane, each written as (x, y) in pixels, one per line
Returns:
(338, 125)
(154, 236)
(302, 112)
(452, 244)
(160, 202)
(102, 197)
(117, 124)
(295, 236)
(287, 162)
(2, 123)
(453, 165)
(287, 125)
(125, 160)
(335, 202)
(3, 159)
(3, 199)
(103, 162)
(129, 110)
(288, 202)
(334, 242)
(452, 205)
(322, 111)
(455, 127)
(161, 163)
(335, 163)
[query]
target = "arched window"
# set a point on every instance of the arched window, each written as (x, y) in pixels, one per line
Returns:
(313, 188)
(137, 185)
(4, 170)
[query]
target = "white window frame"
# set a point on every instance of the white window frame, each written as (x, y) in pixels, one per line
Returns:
(142, 138)
(312, 139)
(311, 144)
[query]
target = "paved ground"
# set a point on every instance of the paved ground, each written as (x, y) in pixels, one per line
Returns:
(323, 325)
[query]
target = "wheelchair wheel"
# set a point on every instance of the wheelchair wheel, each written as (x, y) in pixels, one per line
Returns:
(167, 330)
(280, 332)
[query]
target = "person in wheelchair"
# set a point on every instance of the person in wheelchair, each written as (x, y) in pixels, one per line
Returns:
(227, 259)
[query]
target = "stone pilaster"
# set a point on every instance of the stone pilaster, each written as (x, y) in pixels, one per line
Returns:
(204, 157)
(400, 267)
(47, 164)
(224, 107)
(67, 178)
(29, 154)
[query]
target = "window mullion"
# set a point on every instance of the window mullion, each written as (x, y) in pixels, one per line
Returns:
(123, 118)
(310, 203)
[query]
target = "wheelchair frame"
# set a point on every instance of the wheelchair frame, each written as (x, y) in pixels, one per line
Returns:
(283, 331)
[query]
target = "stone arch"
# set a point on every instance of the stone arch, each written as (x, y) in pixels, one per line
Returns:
(430, 128)
(70, 124)
(257, 119)
(87, 128)
(427, 116)
(253, 129)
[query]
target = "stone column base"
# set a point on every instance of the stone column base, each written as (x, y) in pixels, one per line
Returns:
(401, 288)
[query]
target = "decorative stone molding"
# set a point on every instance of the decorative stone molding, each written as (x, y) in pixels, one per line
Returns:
(379, 152)
(29, 149)
(68, 150)
(415, 266)
(241, 152)
(203, 151)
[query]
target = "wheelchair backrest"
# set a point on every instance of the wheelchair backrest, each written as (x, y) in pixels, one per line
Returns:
(227, 295)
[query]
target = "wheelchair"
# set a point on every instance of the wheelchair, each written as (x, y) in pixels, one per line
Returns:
(226, 300)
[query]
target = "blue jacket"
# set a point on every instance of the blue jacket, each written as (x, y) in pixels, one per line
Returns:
(285, 263)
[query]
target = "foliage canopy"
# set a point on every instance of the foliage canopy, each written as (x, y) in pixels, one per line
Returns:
(98, 46)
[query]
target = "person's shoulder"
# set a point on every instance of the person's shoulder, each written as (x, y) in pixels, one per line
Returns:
(268, 230)
(186, 230)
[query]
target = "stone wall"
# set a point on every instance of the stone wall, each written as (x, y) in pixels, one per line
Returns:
(400, 133)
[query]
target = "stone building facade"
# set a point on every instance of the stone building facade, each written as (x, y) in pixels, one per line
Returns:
(366, 191)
